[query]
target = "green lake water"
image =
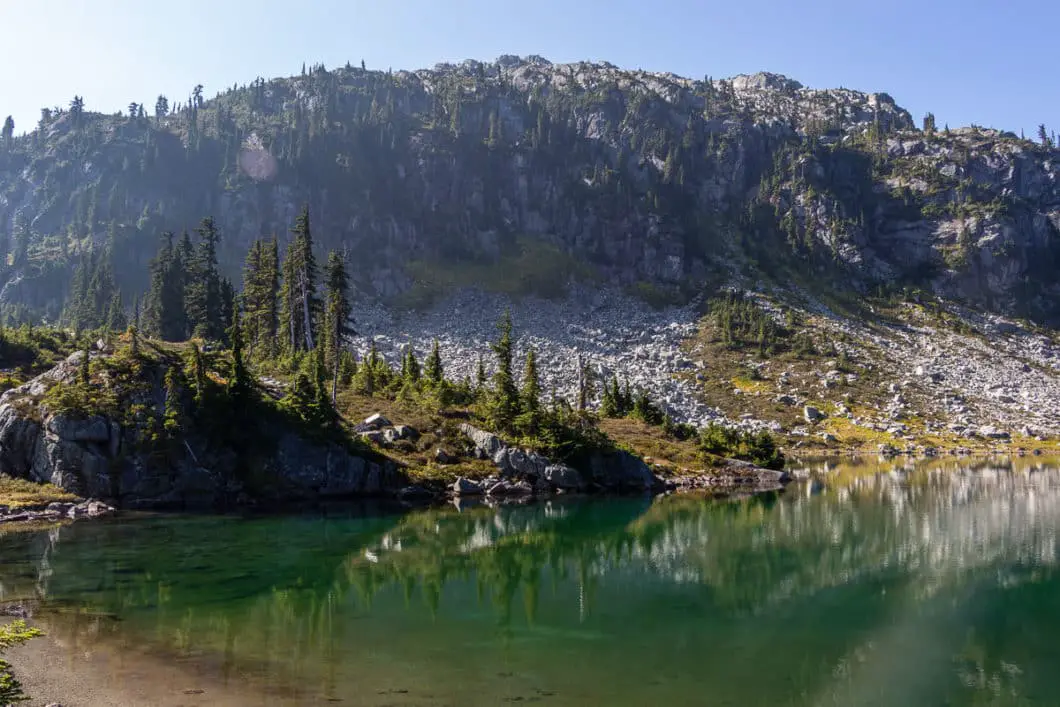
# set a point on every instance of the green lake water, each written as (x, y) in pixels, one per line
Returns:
(885, 587)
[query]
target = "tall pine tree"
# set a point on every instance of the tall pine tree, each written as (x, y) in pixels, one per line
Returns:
(165, 316)
(203, 296)
(300, 307)
(261, 282)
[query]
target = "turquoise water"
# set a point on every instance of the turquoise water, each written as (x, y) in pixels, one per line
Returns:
(898, 588)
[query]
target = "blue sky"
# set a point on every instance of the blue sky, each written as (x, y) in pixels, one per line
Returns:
(990, 63)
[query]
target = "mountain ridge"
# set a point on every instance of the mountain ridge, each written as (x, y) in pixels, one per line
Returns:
(645, 176)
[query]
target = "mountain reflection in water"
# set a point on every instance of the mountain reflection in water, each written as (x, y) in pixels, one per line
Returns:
(888, 585)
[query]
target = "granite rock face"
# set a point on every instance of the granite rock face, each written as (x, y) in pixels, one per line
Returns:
(99, 458)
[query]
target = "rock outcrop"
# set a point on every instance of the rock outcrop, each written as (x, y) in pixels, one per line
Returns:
(615, 470)
(94, 456)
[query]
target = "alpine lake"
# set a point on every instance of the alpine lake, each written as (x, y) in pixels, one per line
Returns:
(865, 584)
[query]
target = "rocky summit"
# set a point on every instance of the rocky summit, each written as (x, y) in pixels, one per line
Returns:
(606, 208)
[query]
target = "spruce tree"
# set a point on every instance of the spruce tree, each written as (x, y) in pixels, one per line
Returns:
(86, 365)
(198, 371)
(261, 281)
(411, 368)
(504, 401)
(530, 396)
(240, 382)
(173, 418)
(480, 376)
(433, 368)
(165, 317)
(299, 302)
(203, 292)
(336, 308)
(586, 387)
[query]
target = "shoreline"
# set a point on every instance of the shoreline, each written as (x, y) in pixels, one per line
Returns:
(54, 672)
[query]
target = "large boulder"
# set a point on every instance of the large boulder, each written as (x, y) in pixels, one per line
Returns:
(466, 487)
(621, 471)
(513, 462)
(564, 477)
(486, 444)
(812, 414)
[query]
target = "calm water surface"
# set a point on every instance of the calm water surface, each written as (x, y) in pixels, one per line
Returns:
(892, 587)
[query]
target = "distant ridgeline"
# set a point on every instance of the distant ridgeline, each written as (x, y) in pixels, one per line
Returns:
(656, 182)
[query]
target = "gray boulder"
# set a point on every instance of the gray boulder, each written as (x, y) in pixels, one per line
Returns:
(620, 470)
(514, 462)
(486, 443)
(563, 476)
(466, 487)
(376, 421)
(812, 414)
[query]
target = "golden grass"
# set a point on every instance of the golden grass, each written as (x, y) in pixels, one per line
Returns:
(19, 493)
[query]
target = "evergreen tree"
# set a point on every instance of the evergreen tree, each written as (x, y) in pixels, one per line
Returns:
(530, 397)
(586, 387)
(203, 295)
(261, 283)
(7, 135)
(165, 300)
(347, 367)
(480, 376)
(1043, 135)
(645, 410)
(336, 308)
(504, 401)
(86, 365)
(198, 371)
(173, 417)
(116, 319)
(929, 123)
(240, 381)
(161, 107)
(433, 368)
(300, 307)
(411, 367)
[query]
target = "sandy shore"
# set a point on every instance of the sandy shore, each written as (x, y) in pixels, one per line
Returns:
(101, 675)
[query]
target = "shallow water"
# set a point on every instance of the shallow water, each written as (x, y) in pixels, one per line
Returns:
(898, 586)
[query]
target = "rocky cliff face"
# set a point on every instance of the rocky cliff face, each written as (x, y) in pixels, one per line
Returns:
(525, 174)
(107, 457)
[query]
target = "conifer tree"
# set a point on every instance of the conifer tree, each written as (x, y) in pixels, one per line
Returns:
(504, 402)
(261, 282)
(336, 308)
(240, 381)
(165, 301)
(411, 367)
(530, 397)
(480, 376)
(433, 368)
(173, 418)
(86, 363)
(586, 388)
(203, 291)
(116, 320)
(198, 370)
(299, 302)
(347, 367)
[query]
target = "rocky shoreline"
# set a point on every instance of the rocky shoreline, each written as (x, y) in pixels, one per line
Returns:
(56, 512)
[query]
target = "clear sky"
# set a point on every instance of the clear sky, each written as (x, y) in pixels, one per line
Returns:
(990, 62)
